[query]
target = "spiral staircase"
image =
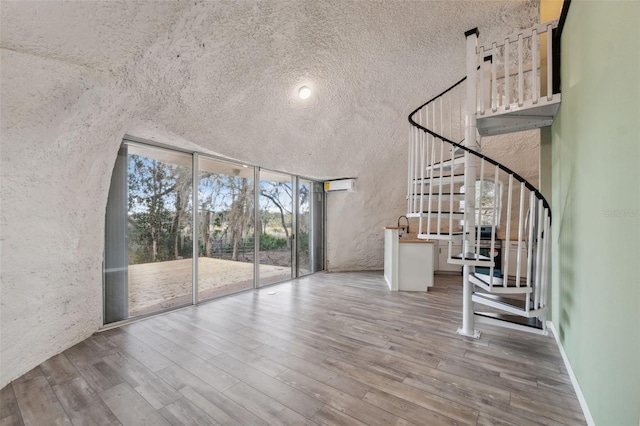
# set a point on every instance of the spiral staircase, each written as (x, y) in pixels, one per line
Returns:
(460, 196)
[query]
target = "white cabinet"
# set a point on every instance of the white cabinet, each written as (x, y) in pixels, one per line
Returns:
(442, 253)
(415, 272)
(511, 255)
(407, 262)
(391, 258)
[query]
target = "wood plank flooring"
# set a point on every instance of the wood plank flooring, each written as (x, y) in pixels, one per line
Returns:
(332, 349)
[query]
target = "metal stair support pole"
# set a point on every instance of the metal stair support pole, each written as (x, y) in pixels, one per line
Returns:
(467, 328)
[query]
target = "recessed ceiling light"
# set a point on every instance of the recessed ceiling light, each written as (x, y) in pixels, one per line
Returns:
(304, 92)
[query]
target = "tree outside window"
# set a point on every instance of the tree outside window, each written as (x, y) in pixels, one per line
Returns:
(487, 201)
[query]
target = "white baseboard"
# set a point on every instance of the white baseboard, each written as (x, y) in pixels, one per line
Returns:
(572, 376)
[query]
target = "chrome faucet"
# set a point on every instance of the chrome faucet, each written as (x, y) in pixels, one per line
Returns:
(407, 228)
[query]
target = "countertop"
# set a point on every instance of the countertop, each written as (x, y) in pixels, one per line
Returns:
(409, 238)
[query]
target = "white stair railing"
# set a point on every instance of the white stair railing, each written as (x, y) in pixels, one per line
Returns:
(443, 165)
(513, 75)
(436, 166)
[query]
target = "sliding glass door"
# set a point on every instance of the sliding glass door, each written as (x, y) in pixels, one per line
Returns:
(156, 184)
(226, 228)
(252, 227)
(276, 226)
(310, 238)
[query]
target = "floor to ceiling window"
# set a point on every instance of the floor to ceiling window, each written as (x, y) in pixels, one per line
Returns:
(276, 227)
(253, 227)
(225, 228)
(157, 242)
(310, 227)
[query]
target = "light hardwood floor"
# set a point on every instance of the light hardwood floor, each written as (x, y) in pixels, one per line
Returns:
(335, 349)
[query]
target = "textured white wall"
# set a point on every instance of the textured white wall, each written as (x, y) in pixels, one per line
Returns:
(216, 77)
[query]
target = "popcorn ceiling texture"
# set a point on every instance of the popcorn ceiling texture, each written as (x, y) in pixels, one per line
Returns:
(216, 77)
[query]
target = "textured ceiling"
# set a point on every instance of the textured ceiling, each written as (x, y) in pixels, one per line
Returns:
(224, 75)
(99, 34)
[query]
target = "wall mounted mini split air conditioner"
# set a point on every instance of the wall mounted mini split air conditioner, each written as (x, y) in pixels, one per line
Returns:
(339, 185)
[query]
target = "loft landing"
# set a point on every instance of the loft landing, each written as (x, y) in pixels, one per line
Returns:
(517, 118)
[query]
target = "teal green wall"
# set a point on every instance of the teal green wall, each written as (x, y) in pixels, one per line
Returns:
(596, 206)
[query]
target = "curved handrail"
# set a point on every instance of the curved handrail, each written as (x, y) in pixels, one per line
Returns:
(516, 176)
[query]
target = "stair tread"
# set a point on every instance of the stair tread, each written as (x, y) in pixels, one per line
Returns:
(443, 233)
(448, 164)
(434, 215)
(470, 256)
(444, 194)
(516, 303)
(514, 319)
(441, 236)
(498, 280)
(441, 212)
(438, 177)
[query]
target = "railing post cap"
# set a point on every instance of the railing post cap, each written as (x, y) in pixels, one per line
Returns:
(472, 32)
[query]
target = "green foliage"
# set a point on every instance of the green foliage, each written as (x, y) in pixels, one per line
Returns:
(159, 197)
(272, 242)
(303, 240)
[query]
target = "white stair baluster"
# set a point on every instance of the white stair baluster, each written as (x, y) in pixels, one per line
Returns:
(451, 192)
(452, 164)
(507, 77)
(484, 81)
(440, 186)
(409, 170)
(432, 179)
(549, 62)
(416, 149)
(417, 169)
(520, 72)
(520, 234)
(493, 222)
(422, 153)
(479, 209)
(532, 217)
(535, 82)
(545, 259)
(505, 249)
(494, 79)
(539, 248)
(461, 101)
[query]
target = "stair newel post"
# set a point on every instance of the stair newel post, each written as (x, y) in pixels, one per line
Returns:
(467, 328)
